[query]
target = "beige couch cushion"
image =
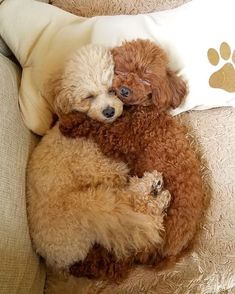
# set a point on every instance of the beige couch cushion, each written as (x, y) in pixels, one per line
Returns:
(20, 270)
(4, 49)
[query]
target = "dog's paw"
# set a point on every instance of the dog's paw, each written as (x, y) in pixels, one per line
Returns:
(149, 184)
(163, 199)
(157, 184)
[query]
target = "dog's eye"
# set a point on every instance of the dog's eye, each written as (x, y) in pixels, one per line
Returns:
(90, 97)
(125, 92)
(112, 92)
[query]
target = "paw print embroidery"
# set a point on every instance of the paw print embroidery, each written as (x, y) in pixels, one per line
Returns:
(224, 78)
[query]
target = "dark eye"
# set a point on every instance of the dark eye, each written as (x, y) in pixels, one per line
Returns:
(125, 92)
(112, 91)
(90, 97)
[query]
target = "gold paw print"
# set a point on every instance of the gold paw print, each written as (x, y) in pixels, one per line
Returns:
(224, 78)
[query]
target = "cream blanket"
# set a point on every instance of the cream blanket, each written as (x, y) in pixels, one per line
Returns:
(43, 36)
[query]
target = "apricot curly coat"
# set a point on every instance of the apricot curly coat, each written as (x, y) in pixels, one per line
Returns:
(147, 138)
(77, 196)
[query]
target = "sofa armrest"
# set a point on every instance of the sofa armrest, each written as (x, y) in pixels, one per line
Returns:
(21, 271)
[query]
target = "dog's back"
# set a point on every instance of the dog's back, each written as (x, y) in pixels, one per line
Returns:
(146, 141)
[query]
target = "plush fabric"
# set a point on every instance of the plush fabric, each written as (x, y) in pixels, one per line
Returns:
(65, 32)
(21, 272)
(210, 266)
(90, 8)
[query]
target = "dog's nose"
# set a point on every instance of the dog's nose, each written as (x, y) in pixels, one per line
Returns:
(108, 112)
(125, 92)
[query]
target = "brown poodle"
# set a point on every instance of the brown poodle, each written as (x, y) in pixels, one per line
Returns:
(147, 138)
(77, 196)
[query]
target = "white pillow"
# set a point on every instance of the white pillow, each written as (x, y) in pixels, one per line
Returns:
(43, 36)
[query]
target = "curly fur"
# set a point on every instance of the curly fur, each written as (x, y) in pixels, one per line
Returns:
(85, 85)
(141, 66)
(77, 197)
(147, 138)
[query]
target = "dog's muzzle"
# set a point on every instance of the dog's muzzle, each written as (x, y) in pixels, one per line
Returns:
(108, 112)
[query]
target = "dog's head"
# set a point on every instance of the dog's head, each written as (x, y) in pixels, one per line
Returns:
(142, 76)
(86, 85)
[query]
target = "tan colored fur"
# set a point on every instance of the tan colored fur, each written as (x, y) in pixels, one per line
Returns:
(77, 197)
(85, 85)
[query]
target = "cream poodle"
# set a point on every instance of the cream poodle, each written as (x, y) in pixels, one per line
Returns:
(76, 196)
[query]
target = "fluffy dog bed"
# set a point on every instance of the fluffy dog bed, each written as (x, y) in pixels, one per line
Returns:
(90, 8)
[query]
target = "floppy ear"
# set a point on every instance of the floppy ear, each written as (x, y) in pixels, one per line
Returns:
(62, 100)
(58, 93)
(178, 88)
(72, 125)
(169, 92)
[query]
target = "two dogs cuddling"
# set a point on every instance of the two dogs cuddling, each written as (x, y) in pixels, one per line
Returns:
(115, 182)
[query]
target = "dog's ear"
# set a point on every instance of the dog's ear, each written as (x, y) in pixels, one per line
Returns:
(178, 88)
(62, 101)
(169, 92)
(72, 125)
(63, 91)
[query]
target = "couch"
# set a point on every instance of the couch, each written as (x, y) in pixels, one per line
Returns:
(208, 268)
(21, 270)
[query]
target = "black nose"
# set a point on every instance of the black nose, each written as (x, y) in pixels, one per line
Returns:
(108, 112)
(125, 92)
